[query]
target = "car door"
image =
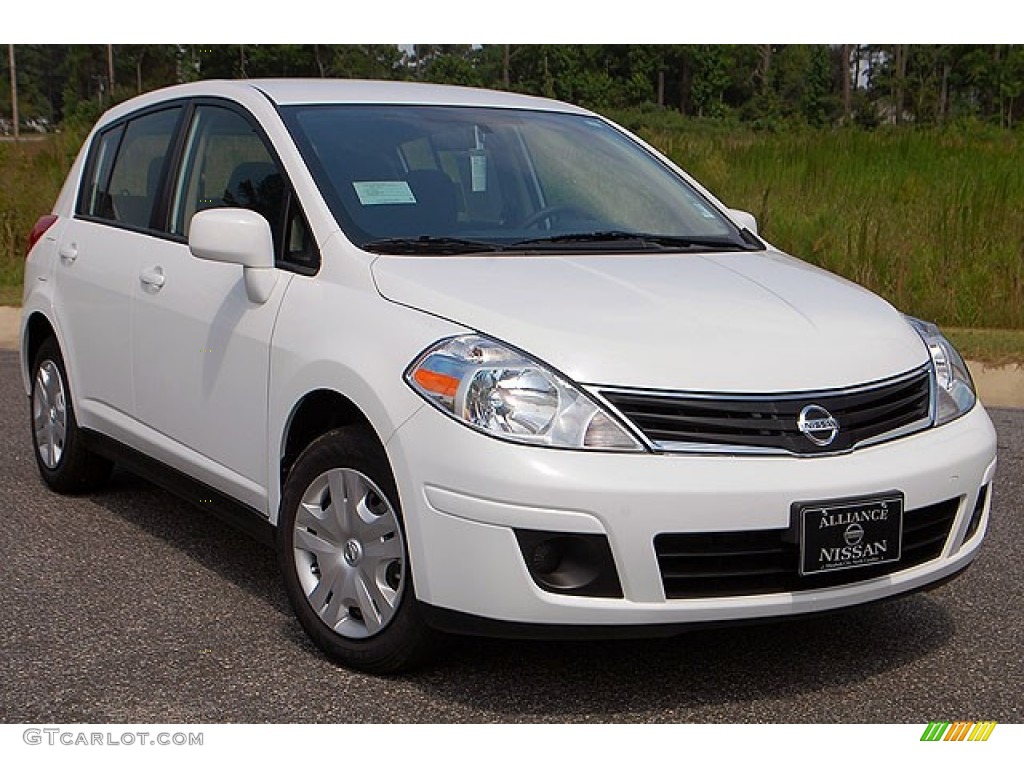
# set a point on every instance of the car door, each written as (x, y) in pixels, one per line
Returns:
(99, 252)
(200, 346)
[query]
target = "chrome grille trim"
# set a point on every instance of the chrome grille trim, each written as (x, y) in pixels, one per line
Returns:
(910, 388)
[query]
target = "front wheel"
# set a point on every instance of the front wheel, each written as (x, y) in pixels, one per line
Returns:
(343, 555)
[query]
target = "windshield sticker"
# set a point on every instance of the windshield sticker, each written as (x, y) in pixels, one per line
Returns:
(703, 210)
(383, 192)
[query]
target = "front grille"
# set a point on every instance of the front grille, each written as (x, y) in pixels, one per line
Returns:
(724, 564)
(768, 423)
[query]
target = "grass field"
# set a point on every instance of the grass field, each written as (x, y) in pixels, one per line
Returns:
(995, 346)
(31, 174)
(932, 220)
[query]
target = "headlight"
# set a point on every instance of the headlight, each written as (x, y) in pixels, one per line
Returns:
(953, 385)
(497, 390)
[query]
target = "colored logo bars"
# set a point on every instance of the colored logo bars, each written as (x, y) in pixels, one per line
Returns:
(961, 730)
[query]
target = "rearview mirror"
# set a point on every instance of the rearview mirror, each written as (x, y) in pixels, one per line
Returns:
(237, 236)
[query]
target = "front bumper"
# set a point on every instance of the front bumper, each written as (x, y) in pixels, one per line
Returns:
(463, 495)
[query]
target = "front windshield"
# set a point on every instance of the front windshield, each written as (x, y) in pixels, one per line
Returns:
(423, 179)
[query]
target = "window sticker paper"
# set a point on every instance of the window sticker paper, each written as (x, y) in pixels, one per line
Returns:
(383, 192)
(478, 171)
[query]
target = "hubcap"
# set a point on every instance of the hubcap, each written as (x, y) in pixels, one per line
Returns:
(49, 414)
(349, 554)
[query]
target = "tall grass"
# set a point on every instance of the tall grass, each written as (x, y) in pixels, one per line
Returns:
(31, 175)
(932, 220)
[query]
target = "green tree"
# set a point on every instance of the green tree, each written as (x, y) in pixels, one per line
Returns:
(711, 64)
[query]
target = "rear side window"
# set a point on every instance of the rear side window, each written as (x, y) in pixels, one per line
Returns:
(125, 179)
(95, 200)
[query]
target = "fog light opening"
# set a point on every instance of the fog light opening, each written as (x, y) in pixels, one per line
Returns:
(577, 564)
(977, 515)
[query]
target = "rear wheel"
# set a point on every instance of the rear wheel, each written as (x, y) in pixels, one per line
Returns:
(65, 463)
(343, 555)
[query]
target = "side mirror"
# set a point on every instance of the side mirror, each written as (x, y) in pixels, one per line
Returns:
(237, 236)
(744, 219)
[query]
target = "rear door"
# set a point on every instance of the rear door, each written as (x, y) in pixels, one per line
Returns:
(100, 252)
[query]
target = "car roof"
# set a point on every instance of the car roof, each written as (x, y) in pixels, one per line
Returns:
(336, 91)
(313, 91)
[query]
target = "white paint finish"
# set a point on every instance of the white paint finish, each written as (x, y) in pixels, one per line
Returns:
(744, 219)
(734, 322)
(92, 308)
(634, 498)
(175, 454)
(232, 236)
(37, 297)
(286, 91)
(318, 91)
(334, 332)
(501, 513)
(201, 357)
(493, 567)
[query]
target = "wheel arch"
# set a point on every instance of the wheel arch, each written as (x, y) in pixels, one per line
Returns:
(314, 414)
(37, 328)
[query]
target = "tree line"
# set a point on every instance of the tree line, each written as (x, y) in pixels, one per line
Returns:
(767, 86)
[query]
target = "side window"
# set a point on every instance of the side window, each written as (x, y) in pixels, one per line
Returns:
(134, 186)
(227, 165)
(94, 200)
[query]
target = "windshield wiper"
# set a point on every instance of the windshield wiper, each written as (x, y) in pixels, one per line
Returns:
(429, 245)
(643, 239)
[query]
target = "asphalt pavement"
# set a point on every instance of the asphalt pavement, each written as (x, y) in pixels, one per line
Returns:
(130, 606)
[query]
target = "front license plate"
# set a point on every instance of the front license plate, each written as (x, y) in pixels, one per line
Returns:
(836, 535)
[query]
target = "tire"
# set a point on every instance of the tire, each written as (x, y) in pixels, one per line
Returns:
(65, 463)
(345, 566)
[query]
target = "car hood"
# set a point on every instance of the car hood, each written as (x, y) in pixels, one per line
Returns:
(728, 322)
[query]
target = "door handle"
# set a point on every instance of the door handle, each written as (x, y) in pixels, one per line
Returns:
(68, 253)
(153, 277)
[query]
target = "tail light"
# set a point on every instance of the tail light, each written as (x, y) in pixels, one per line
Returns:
(43, 224)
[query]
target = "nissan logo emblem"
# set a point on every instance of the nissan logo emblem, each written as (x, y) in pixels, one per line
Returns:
(818, 425)
(854, 534)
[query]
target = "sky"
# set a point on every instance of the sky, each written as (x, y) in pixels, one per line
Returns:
(518, 21)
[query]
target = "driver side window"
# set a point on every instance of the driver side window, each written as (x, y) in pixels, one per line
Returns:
(227, 165)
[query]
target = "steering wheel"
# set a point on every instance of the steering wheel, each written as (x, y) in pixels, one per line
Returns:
(549, 212)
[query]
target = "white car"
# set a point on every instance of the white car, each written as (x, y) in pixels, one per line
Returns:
(485, 363)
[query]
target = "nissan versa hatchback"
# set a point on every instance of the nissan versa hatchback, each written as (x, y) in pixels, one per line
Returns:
(484, 363)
